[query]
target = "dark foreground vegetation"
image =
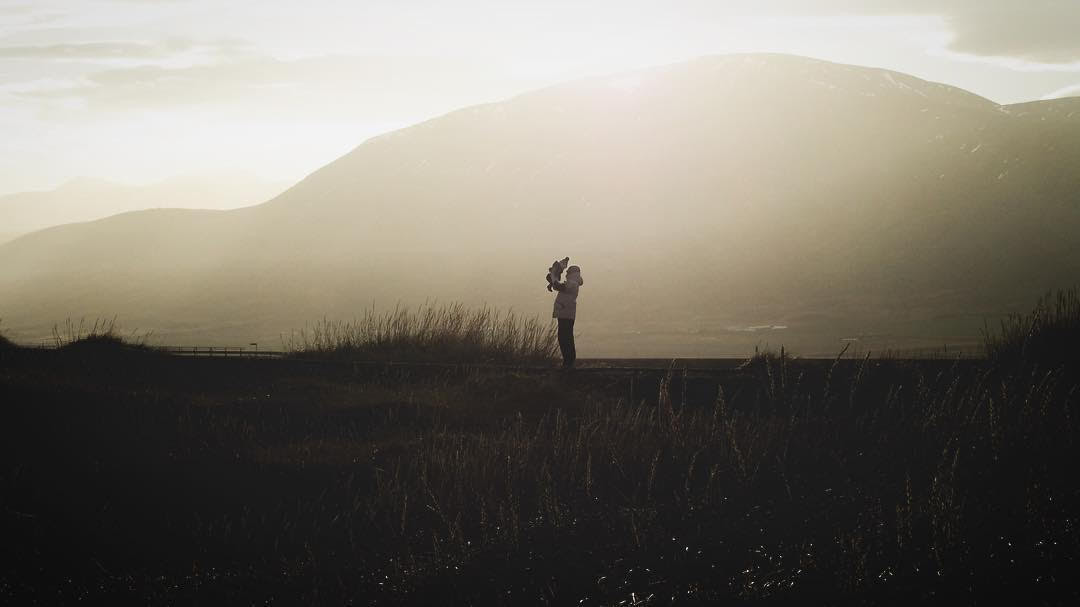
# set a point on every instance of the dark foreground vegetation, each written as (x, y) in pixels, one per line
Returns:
(130, 476)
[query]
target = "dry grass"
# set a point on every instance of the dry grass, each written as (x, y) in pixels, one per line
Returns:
(4, 341)
(448, 333)
(100, 332)
(1047, 336)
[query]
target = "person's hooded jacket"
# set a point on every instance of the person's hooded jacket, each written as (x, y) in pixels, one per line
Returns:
(566, 300)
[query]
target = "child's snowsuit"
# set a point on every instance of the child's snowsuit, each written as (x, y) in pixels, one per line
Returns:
(554, 274)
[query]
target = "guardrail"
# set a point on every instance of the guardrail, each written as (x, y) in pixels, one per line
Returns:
(220, 352)
(189, 351)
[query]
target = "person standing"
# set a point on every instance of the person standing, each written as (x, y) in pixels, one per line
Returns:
(566, 312)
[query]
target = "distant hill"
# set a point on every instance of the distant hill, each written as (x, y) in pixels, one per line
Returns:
(705, 201)
(86, 199)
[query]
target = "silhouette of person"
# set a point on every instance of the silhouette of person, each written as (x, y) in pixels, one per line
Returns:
(566, 312)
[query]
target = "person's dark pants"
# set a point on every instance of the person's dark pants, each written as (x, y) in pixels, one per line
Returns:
(566, 342)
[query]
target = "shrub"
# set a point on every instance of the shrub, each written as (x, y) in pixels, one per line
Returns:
(103, 333)
(1046, 336)
(767, 356)
(448, 333)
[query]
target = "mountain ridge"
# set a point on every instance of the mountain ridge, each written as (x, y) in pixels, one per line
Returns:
(698, 192)
(83, 199)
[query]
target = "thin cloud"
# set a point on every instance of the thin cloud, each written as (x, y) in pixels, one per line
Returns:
(26, 15)
(1038, 31)
(1035, 31)
(1068, 91)
(16, 9)
(96, 50)
(334, 85)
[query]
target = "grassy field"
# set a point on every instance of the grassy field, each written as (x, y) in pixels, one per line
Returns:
(130, 476)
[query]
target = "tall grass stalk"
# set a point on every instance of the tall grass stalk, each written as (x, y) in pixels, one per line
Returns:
(446, 333)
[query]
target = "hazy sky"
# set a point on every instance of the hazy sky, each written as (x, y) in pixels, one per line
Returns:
(138, 90)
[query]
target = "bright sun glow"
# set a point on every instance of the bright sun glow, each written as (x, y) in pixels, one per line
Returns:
(137, 91)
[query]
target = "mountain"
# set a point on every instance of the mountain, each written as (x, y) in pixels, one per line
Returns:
(704, 201)
(85, 199)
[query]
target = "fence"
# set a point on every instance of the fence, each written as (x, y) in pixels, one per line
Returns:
(221, 351)
(189, 351)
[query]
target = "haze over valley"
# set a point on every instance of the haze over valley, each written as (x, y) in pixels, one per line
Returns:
(86, 199)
